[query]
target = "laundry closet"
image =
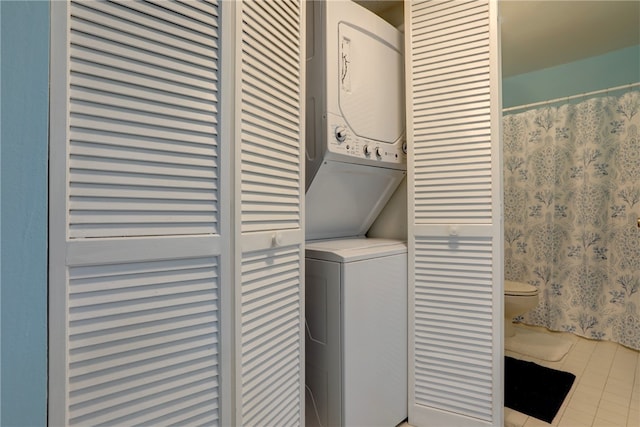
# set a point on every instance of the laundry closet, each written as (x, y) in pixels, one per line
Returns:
(355, 287)
(179, 223)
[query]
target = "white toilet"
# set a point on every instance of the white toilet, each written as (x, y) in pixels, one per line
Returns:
(518, 299)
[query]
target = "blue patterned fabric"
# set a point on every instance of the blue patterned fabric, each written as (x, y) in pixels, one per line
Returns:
(571, 202)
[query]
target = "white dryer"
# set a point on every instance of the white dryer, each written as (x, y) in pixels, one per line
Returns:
(355, 124)
(356, 343)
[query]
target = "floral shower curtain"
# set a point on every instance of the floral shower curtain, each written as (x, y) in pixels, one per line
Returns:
(571, 203)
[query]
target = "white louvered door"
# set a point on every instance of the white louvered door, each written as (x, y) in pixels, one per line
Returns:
(139, 232)
(270, 183)
(455, 209)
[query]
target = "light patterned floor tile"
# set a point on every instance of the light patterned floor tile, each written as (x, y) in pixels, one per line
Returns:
(586, 406)
(616, 401)
(592, 380)
(575, 417)
(615, 418)
(616, 406)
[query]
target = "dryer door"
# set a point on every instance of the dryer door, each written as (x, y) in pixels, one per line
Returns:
(371, 94)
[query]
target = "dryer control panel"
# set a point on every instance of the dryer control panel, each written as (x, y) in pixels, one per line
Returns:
(343, 144)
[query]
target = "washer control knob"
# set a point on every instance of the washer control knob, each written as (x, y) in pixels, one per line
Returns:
(379, 152)
(367, 150)
(341, 133)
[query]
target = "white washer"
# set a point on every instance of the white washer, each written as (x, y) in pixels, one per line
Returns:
(356, 346)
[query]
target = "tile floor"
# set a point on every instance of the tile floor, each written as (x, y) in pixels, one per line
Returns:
(606, 392)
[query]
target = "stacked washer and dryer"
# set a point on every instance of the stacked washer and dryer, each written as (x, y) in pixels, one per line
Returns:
(356, 287)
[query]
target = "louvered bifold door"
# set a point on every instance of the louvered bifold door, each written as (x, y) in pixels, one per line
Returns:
(455, 270)
(137, 248)
(270, 191)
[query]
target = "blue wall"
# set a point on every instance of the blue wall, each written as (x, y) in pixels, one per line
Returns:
(24, 49)
(616, 68)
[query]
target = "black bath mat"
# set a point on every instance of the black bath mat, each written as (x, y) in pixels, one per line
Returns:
(533, 389)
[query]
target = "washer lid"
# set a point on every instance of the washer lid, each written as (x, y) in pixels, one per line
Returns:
(519, 288)
(353, 249)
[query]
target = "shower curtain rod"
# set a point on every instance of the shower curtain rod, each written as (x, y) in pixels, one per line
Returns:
(567, 98)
